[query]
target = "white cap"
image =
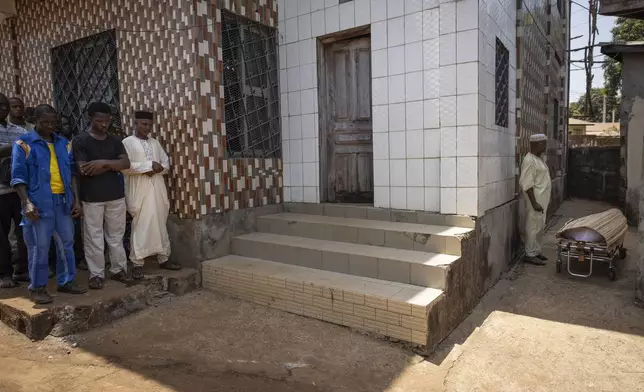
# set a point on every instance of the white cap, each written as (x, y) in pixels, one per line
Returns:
(539, 137)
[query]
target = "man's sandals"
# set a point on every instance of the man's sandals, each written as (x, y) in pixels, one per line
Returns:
(95, 283)
(8, 283)
(170, 265)
(536, 260)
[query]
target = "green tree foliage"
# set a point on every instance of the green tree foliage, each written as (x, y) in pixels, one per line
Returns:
(625, 30)
(578, 109)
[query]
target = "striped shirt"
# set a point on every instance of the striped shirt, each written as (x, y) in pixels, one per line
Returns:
(9, 134)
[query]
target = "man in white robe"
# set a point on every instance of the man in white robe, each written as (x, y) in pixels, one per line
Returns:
(536, 186)
(146, 196)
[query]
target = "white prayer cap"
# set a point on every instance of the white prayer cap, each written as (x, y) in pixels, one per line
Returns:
(539, 137)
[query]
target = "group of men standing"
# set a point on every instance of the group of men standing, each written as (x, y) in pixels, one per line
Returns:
(54, 180)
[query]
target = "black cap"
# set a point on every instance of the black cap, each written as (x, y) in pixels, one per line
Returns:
(143, 115)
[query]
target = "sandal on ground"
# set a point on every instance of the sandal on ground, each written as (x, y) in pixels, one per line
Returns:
(40, 296)
(533, 261)
(8, 283)
(541, 257)
(170, 265)
(121, 276)
(95, 283)
(71, 288)
(137, 273)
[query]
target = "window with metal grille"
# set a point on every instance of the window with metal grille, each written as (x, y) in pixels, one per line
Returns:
(502, 84)
(85, 71)
(251, 95)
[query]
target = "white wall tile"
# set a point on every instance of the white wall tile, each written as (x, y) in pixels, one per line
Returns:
(431, 113)
(430, 24)
(293, 77)
(296, 174)
(318, 26)
(291, 30)
(467, 172)
(378, 10)
(307, 51)
(283, 83)
(448, 172)
(294, 103)
(447, 50)
(467, 139)
(303, 7)
(330, 3)
(381, 172)
(308, 150)
(380, 91)
(287, 174)
(379, 35)
(414, 57)
(363, 12)
(395, 8)
(308, 76)
(379, 63)
(395, 31)
(447, 18)
(412, 6)
(416, 199)
(432, 143)
(467, 13)
(432, 172)
(467, 109)
(468, 78)
(414, 86)
(431, 83)
(286, 151)
(414, 140)
(396, 88)
(380, 118)
(308, 101)
(286, 133)
(396, 60)
(427, 4)
(281, 14)
(380, 146)
(332, 19)
(304, 25)
(347, 15)
(448, 200)
(448, 111)
(447, 80)
(291, 8)
(467, 49)
(414, 27)
(414, 115)
(431, 53)
(297, 194)
(398, 196)
(381, 197)
(433, 199)
(309, 130)
(398, 170)
(295, 127)
(415, 176)
(311, 194)
(309, 174)
(397, 117)
(397, 145)
(448, 142)
(467, 201)
(315, 5)
(292, 55)
(482, 118)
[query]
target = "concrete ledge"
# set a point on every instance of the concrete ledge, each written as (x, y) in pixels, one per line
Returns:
(71, 314)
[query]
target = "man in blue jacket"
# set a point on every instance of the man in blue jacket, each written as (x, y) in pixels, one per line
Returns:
(41, 172)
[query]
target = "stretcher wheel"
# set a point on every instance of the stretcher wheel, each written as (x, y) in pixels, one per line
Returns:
(612, 274)
(622, 253)
(558, 266)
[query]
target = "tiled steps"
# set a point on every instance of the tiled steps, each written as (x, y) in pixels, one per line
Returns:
(410, 236)
(396, 310)
(315, 259)
(396, 265)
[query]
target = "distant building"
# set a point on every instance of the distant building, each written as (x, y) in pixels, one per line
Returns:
(578, 127)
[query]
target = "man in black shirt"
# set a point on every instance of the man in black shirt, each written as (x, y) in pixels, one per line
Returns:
(101, 157)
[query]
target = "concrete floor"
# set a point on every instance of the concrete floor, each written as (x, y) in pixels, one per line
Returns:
(534, 331)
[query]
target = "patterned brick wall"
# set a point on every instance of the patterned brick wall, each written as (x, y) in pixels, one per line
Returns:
(169, 61)
(7, 71)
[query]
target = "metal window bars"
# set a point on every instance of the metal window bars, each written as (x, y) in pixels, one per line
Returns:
(251, 88)
(85, 71)
(502, 78)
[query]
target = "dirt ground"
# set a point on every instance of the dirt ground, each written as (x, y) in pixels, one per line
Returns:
(534, 331)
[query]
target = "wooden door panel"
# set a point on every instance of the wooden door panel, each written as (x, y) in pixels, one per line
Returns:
(349, 133)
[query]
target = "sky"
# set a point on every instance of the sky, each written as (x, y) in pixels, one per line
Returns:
(579, 26)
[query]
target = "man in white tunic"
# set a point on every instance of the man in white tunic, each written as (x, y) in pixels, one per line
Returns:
(536, 186)
(146, 196)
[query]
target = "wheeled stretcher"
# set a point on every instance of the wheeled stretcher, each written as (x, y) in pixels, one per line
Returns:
(594, 238)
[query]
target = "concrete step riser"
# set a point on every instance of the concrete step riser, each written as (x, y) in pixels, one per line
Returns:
(373, 213)
(365, 236)
(369, 267)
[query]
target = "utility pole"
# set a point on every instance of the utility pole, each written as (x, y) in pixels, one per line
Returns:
(604, 110)
(613, 115)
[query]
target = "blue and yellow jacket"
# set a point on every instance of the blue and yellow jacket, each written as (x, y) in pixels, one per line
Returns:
(30, 161)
